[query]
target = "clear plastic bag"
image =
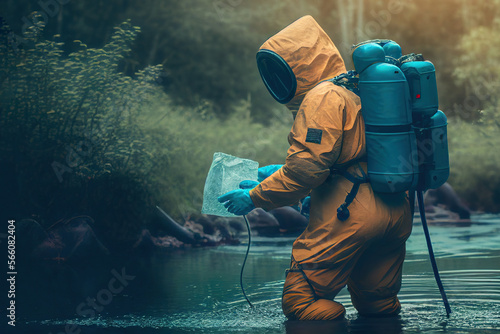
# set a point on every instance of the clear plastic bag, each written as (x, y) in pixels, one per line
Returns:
(225, 175)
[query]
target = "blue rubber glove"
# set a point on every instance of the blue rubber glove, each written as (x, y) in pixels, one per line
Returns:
(237, 201)
(248, 184)
(266, 171)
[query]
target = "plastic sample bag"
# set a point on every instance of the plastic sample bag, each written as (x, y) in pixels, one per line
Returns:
(225, 175)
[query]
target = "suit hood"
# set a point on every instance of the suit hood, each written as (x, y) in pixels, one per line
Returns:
(310, 55)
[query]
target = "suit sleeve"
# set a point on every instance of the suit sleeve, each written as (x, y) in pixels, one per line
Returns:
(315, 145)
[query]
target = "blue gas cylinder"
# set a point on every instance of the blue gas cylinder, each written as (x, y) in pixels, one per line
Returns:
(390, 139)
(432, 146)
(392, 52)
(421, 76)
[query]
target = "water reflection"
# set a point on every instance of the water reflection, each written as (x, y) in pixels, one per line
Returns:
(198, 290)
(382, 325)
(307, 327)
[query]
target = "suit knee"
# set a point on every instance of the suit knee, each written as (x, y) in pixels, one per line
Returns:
(299, 302)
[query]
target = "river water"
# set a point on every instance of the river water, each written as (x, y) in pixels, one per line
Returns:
(197, 290)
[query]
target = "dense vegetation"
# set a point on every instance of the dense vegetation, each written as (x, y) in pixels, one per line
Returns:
(100, 129)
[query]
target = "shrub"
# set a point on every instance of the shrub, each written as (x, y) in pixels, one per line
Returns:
(69, 125)
(474, 162)
(473, 146)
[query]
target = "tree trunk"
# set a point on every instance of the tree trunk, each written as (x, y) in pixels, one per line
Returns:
(360, 21)
(465, 16)
(342, 18)
(154, 49)
(345, 15)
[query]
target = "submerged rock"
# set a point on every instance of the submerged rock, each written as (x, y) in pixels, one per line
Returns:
(290, 220)
(200, 231)
(147, 242)
(71, 240)
(263, 222)
(444, 203)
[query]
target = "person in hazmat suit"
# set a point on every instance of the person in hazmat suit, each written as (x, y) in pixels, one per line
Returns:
(364, 250)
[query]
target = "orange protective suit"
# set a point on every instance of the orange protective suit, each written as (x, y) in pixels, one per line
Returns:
(366, 251)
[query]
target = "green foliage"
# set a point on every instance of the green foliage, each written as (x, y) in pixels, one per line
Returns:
(80, 101)
(477, 69)
(474, 147)
(84, 138)
(70, 123)
(208, 47)
(474, 162)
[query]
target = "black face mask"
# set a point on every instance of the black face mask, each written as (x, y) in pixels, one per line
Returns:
(277, 75)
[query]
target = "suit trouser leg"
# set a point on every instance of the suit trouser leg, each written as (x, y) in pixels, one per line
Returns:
(376, 280)
(301, 303)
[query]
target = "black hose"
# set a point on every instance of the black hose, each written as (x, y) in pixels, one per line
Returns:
(245, 260)
(421, 207)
